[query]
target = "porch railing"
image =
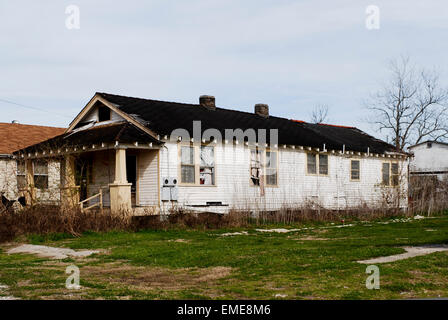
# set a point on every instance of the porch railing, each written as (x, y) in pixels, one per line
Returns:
(97, 204)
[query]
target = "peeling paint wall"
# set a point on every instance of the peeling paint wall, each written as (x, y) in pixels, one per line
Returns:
(8, 181)
(295, 187)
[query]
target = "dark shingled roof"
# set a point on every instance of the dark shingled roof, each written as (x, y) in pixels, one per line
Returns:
(164, 117)
(123, 132)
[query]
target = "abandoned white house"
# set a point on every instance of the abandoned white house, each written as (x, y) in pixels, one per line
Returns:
(14, 136)
(150, 155)
(430, 159)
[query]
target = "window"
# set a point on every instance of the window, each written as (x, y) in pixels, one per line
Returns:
(390, 174)
(394, 174)
(21, 177)
(197, 165)
(103, 114)
(386, 173)
(313, 161)
(271, 168)
(255, 167)
(355, 170)
(40, 169)
(207, 167)
(323, 164)
(187, 164)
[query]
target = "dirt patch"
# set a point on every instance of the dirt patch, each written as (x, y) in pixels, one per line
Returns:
(311, 238)
(180, 241)
(410, 253)
(4, 293)
(242, 233)
(148, 278)
(51, 252)
(280, 230)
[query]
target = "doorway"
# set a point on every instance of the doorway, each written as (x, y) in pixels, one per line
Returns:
(83, 175)
(131, 174)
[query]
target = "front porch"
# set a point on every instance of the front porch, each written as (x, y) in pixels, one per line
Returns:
(117, 162)
(127, 178)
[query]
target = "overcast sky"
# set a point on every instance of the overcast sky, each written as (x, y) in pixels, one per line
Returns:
(291, 55)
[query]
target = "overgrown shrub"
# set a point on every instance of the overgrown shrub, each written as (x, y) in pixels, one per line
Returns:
(52, 219)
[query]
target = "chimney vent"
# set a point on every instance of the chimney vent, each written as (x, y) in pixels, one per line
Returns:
(262, 110)
(15, 121)
(208, 102)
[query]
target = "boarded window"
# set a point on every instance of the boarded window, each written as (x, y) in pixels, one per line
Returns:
(40, 171)
(187, 164)
(311, 164)
(271, 168)
(323, 164)
(207, 166)
(21, 175)
(386, 173)
(355, 170)
(394, 174)
(255, 167)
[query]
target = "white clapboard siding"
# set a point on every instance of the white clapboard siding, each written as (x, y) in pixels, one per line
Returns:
(295, 186)
(103, 174)
(148, 184)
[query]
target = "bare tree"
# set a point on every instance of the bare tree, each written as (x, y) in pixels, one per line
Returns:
(412, 106)
(319, 114)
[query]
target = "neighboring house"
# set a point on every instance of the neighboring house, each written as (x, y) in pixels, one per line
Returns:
(152, 155)
(14, 136)
(430, 159)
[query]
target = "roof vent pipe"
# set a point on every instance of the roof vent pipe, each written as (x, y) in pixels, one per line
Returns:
(15, 121)
(208, 102)
(262, 110)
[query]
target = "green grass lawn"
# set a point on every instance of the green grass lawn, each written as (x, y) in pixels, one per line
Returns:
(316, 263)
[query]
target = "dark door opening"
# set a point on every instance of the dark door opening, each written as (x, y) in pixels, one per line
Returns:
(83, 175)
(131, 174)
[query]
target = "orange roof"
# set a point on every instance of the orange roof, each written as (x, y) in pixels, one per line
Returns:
(14, 136)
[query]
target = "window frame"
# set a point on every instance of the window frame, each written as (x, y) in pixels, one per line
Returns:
(390, 174)
(18, 174)
(263, 167)
(257, 151)
(201, 166)
(351, 170)
(35, 162)
(196, 164)
(271, 168)
(317, 164)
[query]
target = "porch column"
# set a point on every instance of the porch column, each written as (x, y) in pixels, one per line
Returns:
(120, 190)
(69, 189)
(30, 193)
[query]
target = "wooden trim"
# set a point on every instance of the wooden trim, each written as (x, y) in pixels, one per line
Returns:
(124, 115)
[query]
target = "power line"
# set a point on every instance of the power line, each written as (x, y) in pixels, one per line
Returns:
(34, 108)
